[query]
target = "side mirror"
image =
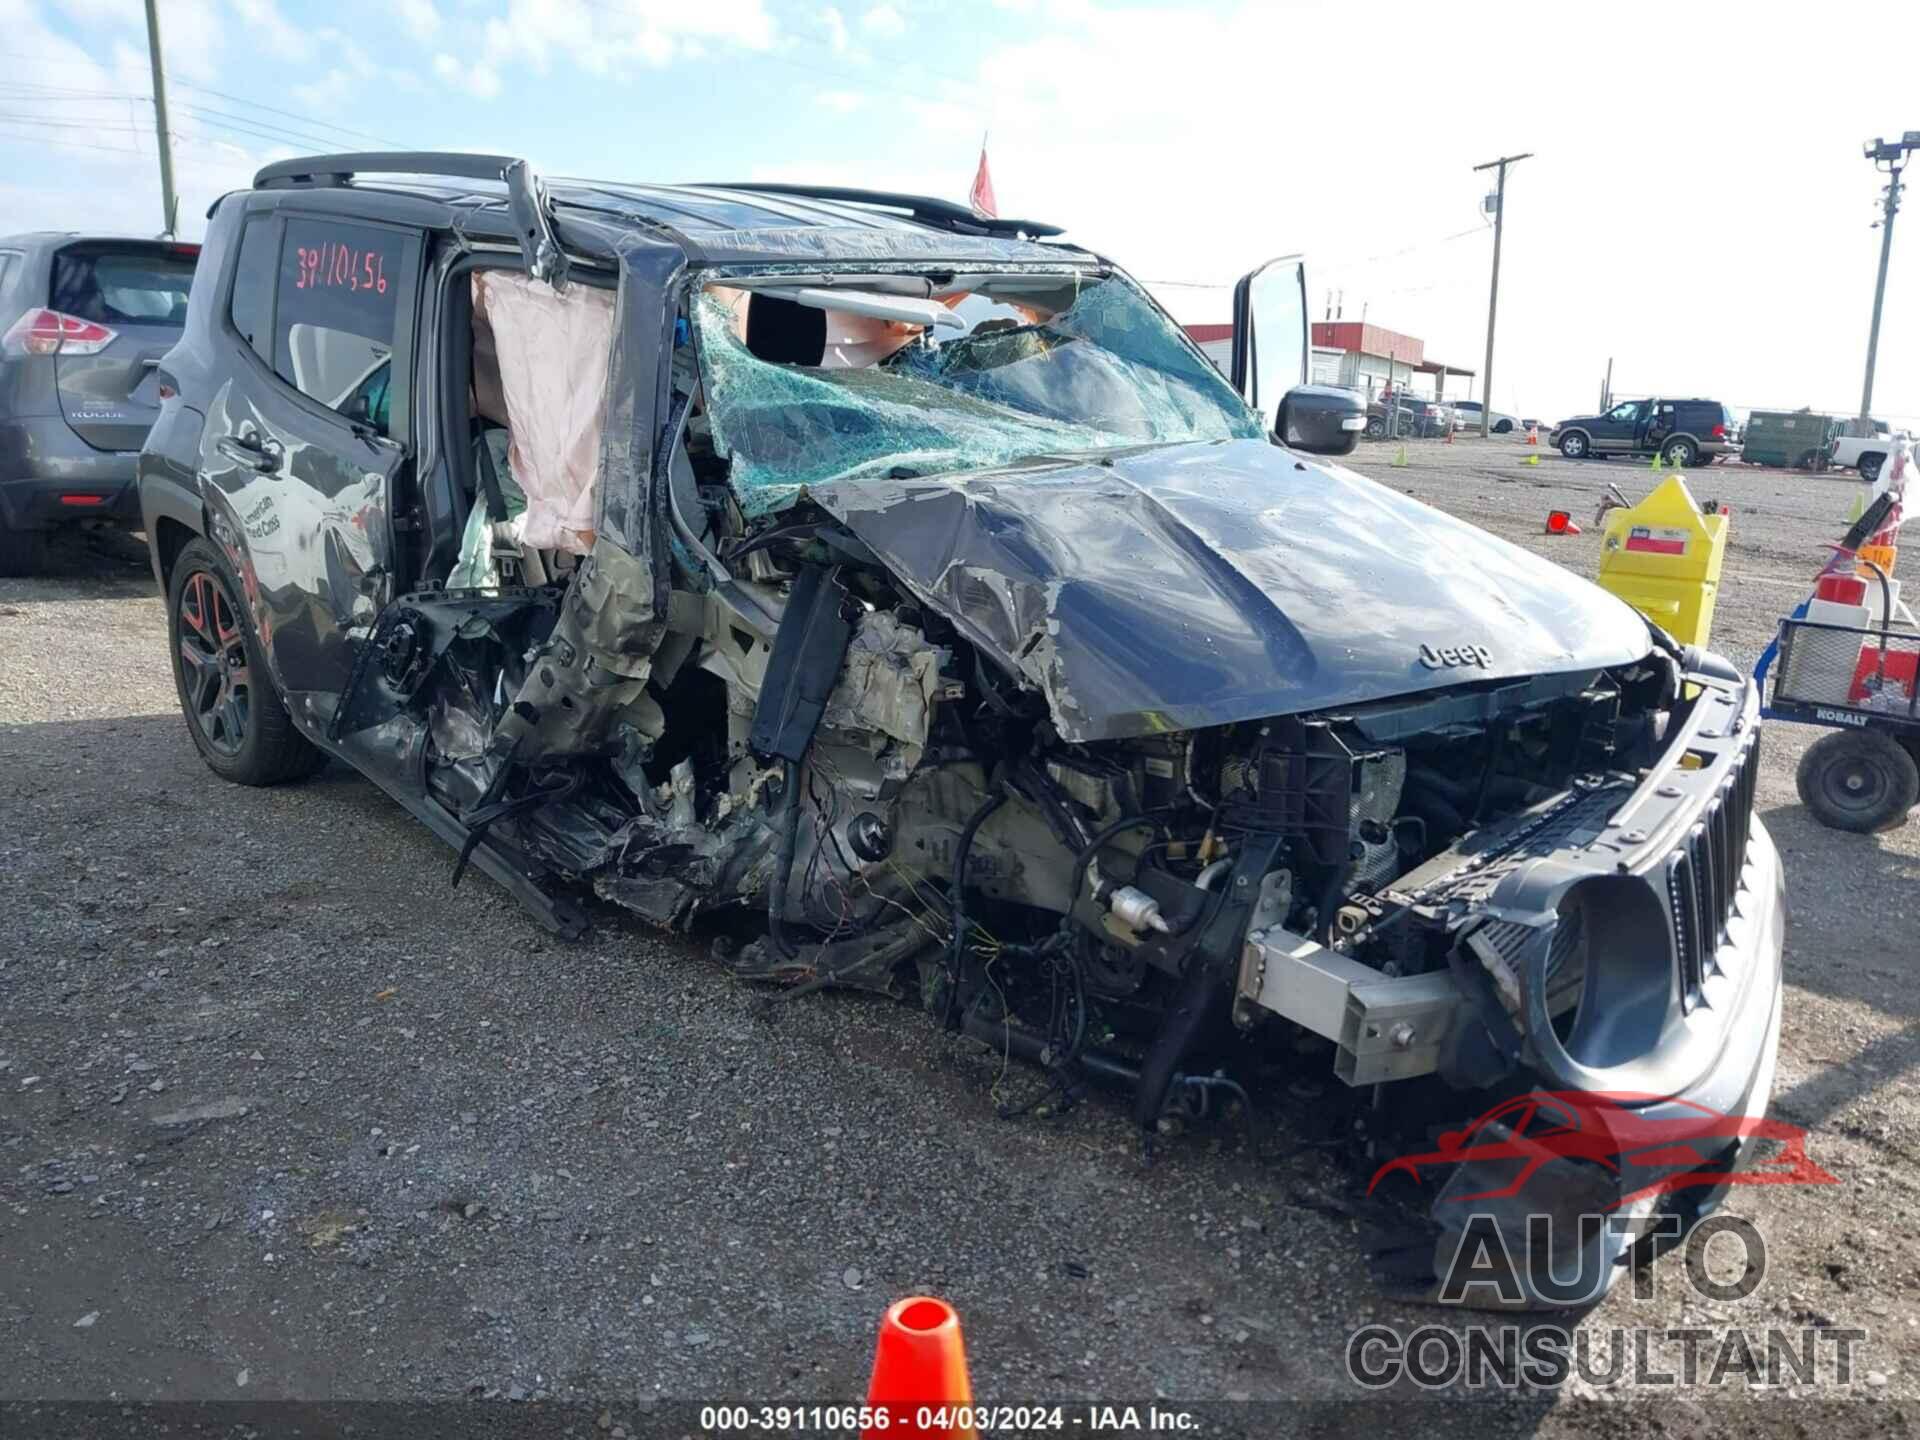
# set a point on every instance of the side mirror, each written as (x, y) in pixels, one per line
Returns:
(1321, 419)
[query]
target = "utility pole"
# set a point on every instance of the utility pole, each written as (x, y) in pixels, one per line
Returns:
(1606, 388)
(169, 202)
(1890, 154)
(1493, 294)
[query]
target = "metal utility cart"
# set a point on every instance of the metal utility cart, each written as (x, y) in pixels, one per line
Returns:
(1863, 683)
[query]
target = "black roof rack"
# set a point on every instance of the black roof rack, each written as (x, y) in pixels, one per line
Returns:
(327, 171)
(920, 207)
(338, 169)
(526, 195)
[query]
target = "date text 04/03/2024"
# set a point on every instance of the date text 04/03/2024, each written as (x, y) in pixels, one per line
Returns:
(957, 1419)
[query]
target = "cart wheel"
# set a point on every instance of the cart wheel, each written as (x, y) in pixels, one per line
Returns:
(1858, 780)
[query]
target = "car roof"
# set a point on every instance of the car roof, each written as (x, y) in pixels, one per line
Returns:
(748, 222)
(33, 239)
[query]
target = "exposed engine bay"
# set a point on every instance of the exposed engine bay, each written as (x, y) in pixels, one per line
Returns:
(1075, 733)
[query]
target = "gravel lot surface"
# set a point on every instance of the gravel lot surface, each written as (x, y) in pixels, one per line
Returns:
(283, 1115)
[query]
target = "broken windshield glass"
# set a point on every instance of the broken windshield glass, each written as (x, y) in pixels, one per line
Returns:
(801, 394)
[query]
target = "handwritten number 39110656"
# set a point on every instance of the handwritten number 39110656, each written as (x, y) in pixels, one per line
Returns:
(332, 266)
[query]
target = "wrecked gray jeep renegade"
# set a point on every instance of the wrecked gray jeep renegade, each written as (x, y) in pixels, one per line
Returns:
(909, 580)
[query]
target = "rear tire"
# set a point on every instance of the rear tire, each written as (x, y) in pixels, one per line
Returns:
(1870, 467)
(1376, 428)
(1574, 446)
(1681, 453)
(1858, 780)
(233, 712)
(22, 552)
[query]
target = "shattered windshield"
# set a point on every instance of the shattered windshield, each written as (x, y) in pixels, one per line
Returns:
(805, 390)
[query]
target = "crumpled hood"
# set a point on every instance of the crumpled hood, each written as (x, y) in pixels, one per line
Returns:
(1201, 584)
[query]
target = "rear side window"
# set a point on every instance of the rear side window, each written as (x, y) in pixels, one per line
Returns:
(251, 307)
(336, 305)
(123, 287)
(8, 259)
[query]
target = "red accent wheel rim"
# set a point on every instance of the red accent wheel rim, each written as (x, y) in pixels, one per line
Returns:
(215, 680)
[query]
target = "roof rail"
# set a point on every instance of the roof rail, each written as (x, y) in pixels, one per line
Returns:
(338, 169)
(920, 207)
(526, 195)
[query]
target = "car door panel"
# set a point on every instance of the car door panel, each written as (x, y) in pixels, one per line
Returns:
(300, 493)
(1612, 433)
(306, 527)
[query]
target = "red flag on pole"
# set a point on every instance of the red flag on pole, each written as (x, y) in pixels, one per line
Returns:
(981, 196)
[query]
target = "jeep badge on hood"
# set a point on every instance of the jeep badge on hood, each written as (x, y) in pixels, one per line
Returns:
(1453, 655)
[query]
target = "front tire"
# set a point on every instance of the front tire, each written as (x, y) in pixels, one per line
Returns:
(1503, 427)
(1574, 446)
(233, 712)
(1858, 780)
(1376, 428)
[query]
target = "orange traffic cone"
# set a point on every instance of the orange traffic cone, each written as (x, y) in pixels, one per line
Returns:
(1533, 434)
(920, 1374)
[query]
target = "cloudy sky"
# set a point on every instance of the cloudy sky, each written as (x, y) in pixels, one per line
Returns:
(1698, 208)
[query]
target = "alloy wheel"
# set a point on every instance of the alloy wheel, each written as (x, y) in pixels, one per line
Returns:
(217, 684)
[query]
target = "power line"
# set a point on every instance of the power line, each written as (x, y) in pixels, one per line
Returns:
(76, 92)
(218, 119)
(289, 114)
(47, 141)
(259, 129)
(91, 126)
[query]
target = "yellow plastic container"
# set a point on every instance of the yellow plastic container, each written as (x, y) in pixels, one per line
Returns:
(1663, 557)
(1881, 555)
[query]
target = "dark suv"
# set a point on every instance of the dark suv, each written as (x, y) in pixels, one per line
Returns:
(1683, 432)
(83, 323)
(912, 581)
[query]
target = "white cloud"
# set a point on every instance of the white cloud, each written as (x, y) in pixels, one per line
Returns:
(845, 102)
(598, 37)
(420, 17)
(883, 20)
(835, 24)
(479, 80)
(330, 90)
(280, 36)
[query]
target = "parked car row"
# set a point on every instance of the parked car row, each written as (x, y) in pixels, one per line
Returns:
(1415, 417)
(1467, 417)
